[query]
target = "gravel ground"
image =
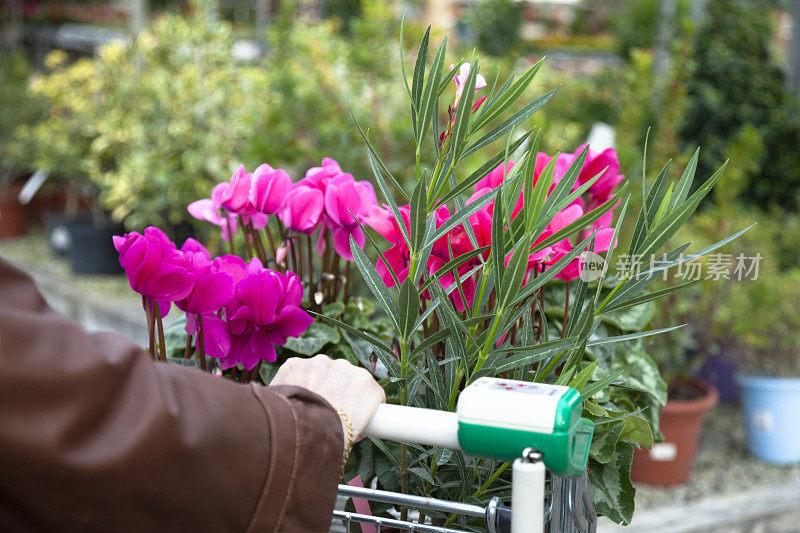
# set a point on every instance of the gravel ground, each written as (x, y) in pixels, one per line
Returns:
(722, 465)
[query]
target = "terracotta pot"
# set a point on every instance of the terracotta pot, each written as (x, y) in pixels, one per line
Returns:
(13, 215)
(670, 462)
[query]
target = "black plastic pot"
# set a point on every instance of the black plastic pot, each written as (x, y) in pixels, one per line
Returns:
(92, 249)
(59, 230)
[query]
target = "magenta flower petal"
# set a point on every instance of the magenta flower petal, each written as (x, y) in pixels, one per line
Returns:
(293, 290)
(191, 245)
(210, 293)
(204, 210)
(169, 282)
(269, 188)
(341, 240)
(216, 339)
(260, 293)
(303, 209)
(232, 264)
(236, 196)
(291, 321)
(602, 241)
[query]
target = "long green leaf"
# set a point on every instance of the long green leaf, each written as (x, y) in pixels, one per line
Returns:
(498, 239)
(375, 283)
(507, 98)
(631, 336)
(408, 304)
(644, 298)
(517, 266)
(432, 340)
(518, 118)
(418, 214)
(685, 183)
(469, 182)
(382, 351)
(674, 220)
(596, 386)
(419, 74)
(539, 353)
(428, 99)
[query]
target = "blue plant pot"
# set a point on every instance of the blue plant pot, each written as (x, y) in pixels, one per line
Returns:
(772, 417)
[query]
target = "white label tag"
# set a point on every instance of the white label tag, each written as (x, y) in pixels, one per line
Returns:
(763, 421)
(527, 388)
(663, 451)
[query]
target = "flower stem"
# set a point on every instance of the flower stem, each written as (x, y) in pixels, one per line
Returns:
(230, 234)
(246, 234)
(162, 348)
(310, 259)
(271, 241)
(259, 244)
(201, 345)
(187, 352)
(148, 309)
(346, 282)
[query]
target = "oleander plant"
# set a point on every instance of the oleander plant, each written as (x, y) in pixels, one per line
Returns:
(451, 272)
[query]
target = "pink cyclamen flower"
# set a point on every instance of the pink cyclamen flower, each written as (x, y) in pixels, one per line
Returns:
(213, 288)
(303, 208)
(461, 80)
(347, 202)
(211, 210)
(318, 177)
(154, 267)
(236, 196)
(264, 312)
(268, 189)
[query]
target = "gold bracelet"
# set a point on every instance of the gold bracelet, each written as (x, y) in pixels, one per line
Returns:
(349, 428)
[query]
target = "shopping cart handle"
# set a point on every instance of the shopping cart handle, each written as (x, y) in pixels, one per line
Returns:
(412, 424)
(498, 418)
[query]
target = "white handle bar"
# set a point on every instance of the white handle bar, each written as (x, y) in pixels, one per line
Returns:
(412, 424)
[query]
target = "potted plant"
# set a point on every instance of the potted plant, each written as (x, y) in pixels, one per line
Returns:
(17, 106)
(156, 148)
(61, 144)
(689, 399)
(755, 324)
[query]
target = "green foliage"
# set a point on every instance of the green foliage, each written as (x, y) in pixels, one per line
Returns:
(173, 114)
(60, 139)
(594, 343)
(338, 343)
(733, 81)
(751, 320)
(496, 25)
(17, 106)
(316, 78)
(635, 25)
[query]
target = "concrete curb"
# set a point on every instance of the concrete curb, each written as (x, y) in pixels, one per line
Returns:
(773, 509)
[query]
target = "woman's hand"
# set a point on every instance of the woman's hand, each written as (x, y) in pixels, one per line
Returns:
(350, 388)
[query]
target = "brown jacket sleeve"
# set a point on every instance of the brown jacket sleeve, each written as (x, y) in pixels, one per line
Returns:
(96, 436)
